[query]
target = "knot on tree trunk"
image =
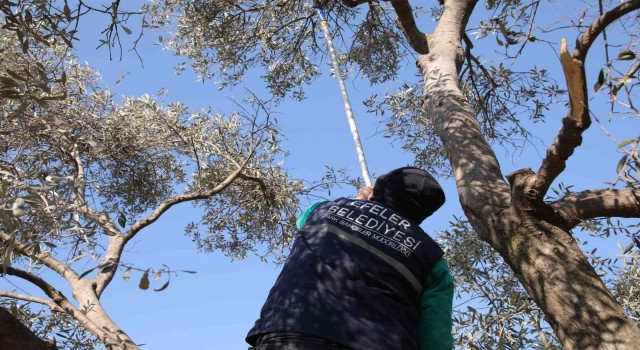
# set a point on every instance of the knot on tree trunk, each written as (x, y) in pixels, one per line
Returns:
(523, 194)
(527, 198)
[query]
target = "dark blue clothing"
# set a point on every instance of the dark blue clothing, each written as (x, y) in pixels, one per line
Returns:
(354, 277)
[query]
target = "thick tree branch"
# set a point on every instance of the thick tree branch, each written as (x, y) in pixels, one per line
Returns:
(573, 125)
(64, 303)
(56, 265)
(416, 39)
(53, 306)
(577, 120)
(580, 206)
(481, 186)
(584, 43)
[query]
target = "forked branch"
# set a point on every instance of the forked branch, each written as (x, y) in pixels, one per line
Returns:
(587, 39)
(47, 259)
(407, 24)
(577, 120)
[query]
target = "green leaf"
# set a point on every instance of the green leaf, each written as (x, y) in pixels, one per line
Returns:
(89, 271)
(7, 81)
(8, 258)
(601, 78)
(67, 11)
(621, 164)
(164, 286)
(15, 75)
(628, 248)
(14, 310)
(144, 281)
(191, 272)
(626, 142)
(50, 245)
(512, 41)
(122, 220)
(126, 30)
(77, 258)
(626, 55)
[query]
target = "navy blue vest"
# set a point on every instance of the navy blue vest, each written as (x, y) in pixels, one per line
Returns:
(354, 276)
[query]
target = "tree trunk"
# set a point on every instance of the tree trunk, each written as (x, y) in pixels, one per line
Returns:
(543, 255)
(98, 321)
(559, 278)
(16, 336)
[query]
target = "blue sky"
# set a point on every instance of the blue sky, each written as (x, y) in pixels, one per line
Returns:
(214, 308)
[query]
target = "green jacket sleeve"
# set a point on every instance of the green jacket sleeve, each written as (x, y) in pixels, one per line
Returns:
(435, 322)
(305, 215)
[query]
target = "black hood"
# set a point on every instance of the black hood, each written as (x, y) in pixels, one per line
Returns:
(412, 192)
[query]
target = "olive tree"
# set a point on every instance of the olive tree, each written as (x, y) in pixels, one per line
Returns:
(463, 106)
(474, 93)
(83, 172)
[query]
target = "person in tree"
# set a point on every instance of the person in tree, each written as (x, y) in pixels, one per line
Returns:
(363, 275)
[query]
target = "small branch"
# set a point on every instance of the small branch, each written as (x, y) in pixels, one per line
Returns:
(407, 24)
(53, 306)
(80, 183)
(530, 30)
(79, 195)
(99, 218)
(630, 73)
(56, 265)
(580, 206)
(261, 184)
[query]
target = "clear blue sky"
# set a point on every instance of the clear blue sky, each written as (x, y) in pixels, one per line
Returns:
(216, 307)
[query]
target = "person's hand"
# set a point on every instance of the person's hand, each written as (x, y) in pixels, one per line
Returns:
(365, 193)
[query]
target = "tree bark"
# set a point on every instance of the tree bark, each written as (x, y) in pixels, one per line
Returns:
(109, 332)
(16, 336)
(529, 234)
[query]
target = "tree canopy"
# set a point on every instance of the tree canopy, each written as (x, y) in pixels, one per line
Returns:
(84, 171)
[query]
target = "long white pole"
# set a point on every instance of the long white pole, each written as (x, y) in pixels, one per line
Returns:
(345, 98)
